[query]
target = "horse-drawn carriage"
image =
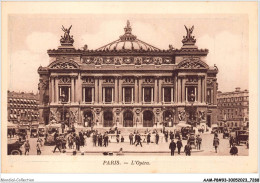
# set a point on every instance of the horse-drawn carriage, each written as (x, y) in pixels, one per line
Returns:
(51, 130)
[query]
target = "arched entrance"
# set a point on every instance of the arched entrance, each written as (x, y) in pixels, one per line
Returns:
(168, 118)
(88, 119)
(108, 119)
(148, 118)
(128, 119)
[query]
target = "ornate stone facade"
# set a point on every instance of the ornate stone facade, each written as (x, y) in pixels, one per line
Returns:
(128, 83)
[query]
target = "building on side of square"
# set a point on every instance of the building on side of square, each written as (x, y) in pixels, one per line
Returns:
(128, 83)
(233, 108)
(22, 108)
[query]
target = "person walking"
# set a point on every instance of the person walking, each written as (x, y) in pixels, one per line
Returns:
(179, 145)
(233, 150)
(166, 135)
(187, 149)
(231, 141)
(27, 147)
(171, 135)
(157, 138)
(94, 139)
(77, 143)
(198, 142)
(57, 144)
(148, 138)
(38, 148)
(131, 138)
(138, 140)
(216, 143)
(172, 147)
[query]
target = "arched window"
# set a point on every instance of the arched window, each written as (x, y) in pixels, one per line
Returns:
(108, 119)
(148, 118)
(128, 119)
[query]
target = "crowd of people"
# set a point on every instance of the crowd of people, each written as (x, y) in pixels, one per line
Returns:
(76, 140)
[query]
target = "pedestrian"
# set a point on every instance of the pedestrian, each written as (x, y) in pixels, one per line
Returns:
(77, 143)
(38, 148)
(122, 138)
(39, 140)
(157, 138)
(117, 138)
(231, 141)
(233, 150)
(166, 136)
(198, 142)
(171, 135)
(135, 138)
(179, 145)
(94, 139)
(172, 147)
(63, 142)
(138, 140)
(57, 144)
(81, 139)
(216, 143)
(13, 132)
(131, 136)
(187, 149)
(27, 147)
(70, 141)
(148, 138)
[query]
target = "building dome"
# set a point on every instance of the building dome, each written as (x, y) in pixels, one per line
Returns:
(128, 41)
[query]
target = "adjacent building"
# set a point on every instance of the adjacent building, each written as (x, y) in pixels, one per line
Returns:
(233, 108)
(128, 83)
(22, 107)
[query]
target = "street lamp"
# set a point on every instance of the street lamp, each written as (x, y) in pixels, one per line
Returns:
(192, 99)
(62, 100)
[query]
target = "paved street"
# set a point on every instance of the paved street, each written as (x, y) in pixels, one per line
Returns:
(207, 148)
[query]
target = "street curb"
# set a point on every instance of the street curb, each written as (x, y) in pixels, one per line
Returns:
(155, 152)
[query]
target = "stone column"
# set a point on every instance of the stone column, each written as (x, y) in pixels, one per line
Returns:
(186, 96)
(132, 93)
(179, 90)
(136, 90)
(100, 89)
(116, 89)
(84, 94)
(211, 99)
(160, 90)
(96, 90)
(183, 90)
(214, 92)
(199, 90)
(171, 94)
(140, 90)
(156, 90)
(56, 90)
(120, 89)
(52, 91)
(203, 90)
(175, 89)
(123, 95)
(78, 89)
(72, 90)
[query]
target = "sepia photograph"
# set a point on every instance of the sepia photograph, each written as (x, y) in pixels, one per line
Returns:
(126, 85)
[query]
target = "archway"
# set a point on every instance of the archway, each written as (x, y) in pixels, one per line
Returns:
(168, 118)
(88, 118)
(128, 119)
(108, 119)
(148, 118)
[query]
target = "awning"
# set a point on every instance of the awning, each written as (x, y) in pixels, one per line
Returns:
(15, 116)
(11, 116)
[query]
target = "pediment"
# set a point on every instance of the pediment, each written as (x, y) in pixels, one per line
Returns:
(69, 64)
(192, 63)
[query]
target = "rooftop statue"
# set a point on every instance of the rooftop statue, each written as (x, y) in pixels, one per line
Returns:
(66, 39)
(189, 39)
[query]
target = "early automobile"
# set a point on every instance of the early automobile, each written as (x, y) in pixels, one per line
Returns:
(191, 139)
(185, 131)
(41, 131)
(241, 136)
(34, 133)
(13, 147)
(51, 130)
(22, 132)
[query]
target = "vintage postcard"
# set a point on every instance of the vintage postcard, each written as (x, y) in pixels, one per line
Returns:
(129, 87)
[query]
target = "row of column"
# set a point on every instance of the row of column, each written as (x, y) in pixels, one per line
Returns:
(179, 93)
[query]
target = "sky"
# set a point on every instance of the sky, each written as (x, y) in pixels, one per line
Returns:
(30, 36)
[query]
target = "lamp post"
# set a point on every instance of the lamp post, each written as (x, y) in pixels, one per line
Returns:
(192, 98)
(62, 100)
